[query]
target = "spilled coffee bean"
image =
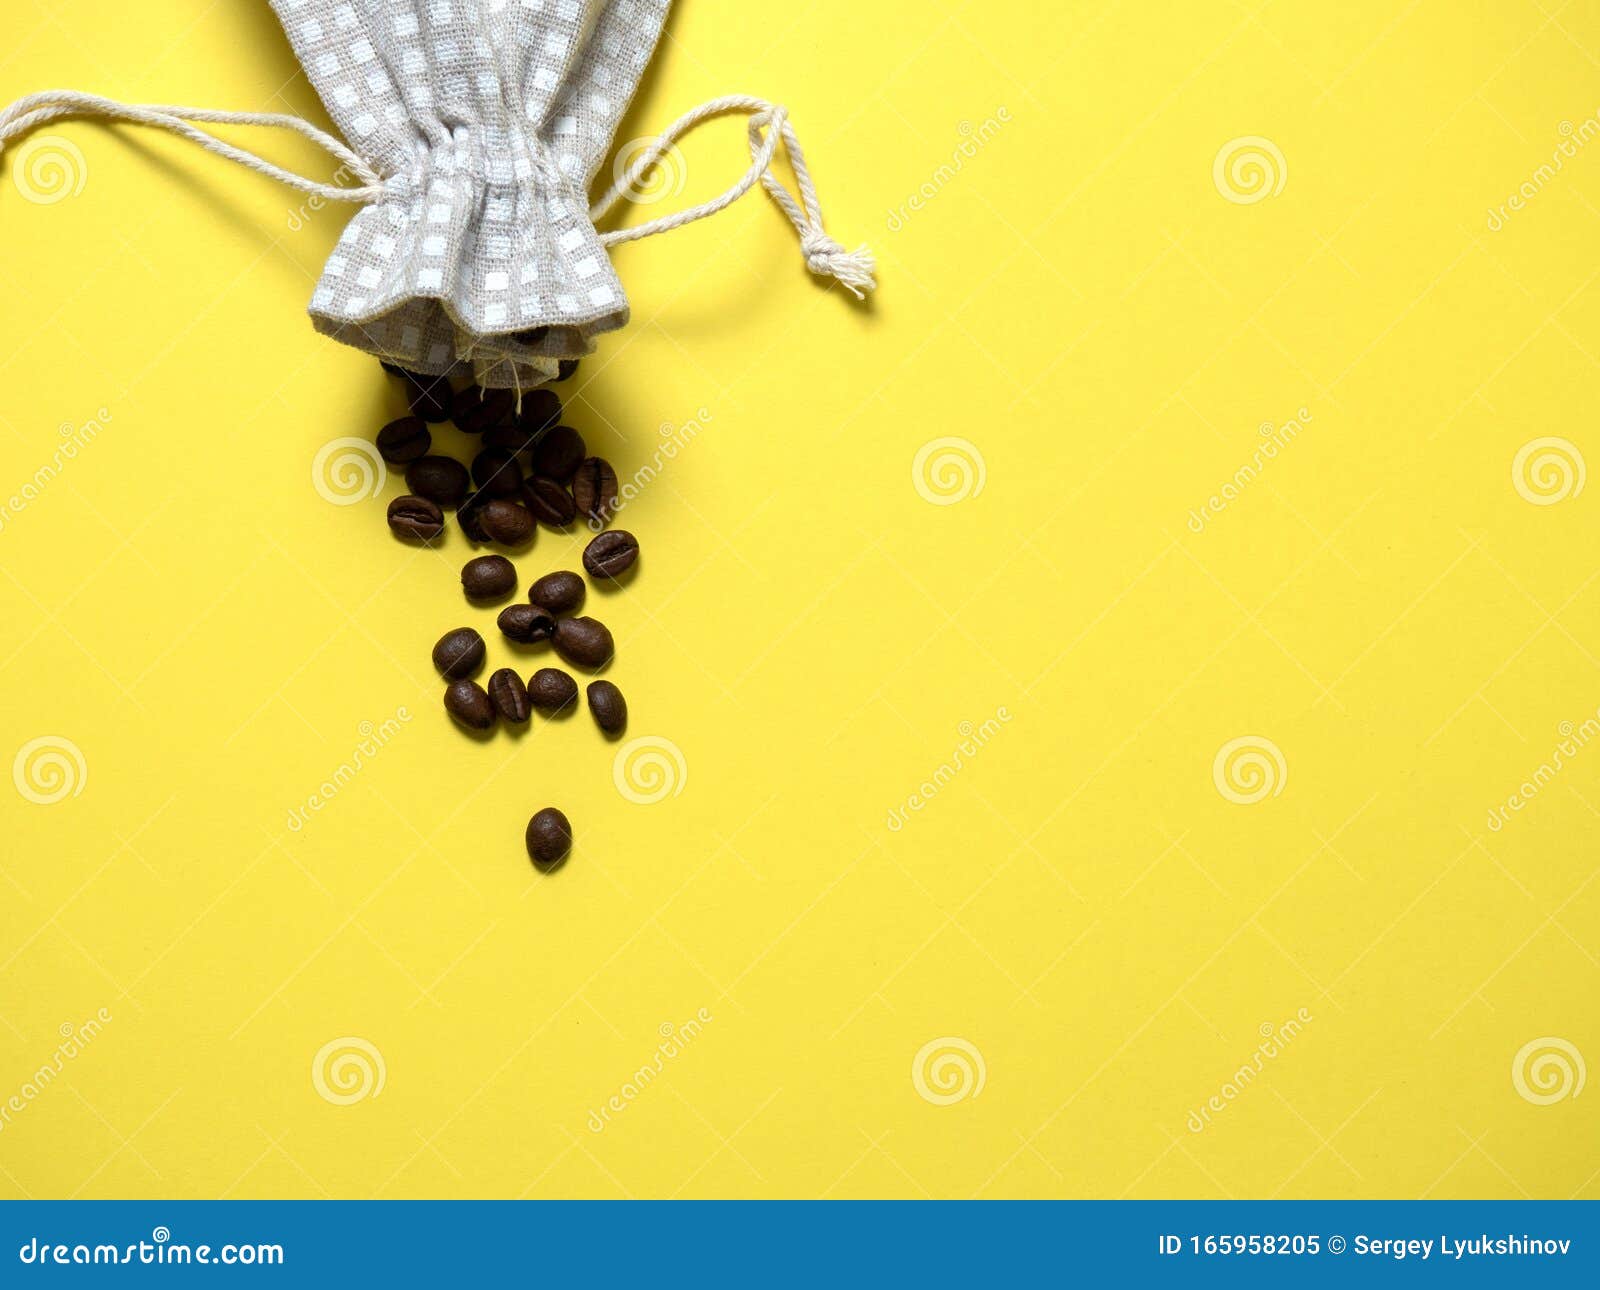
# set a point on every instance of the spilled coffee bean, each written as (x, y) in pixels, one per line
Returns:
(526, 624)
(560, 593)
(442, 480)
(550, 689)
(610, 709)
(506, 522)
(488, 577)
(404, 440)
(510, 696)
(611, 554)
(415, 517)
(541, 409)
(468, 704)
(584, 642)
(549, 837)
(496, 473)
(475, 410)
(470, 517)
(594, 489)
(428, 396)
(550, 502)
(458, 654)
(558, 453)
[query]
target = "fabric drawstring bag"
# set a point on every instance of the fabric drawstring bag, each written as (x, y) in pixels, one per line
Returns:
(474, 130)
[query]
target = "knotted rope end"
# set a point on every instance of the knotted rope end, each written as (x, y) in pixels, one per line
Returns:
(854, 270)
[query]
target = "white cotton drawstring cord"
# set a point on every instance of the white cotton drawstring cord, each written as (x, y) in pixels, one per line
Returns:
(50, 105)
(769, 125)
(825, 257)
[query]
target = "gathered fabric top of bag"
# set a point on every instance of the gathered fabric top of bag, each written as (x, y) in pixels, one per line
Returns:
(474, 130)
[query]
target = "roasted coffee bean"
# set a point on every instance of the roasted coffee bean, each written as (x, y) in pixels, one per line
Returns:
(415, 517)
(468, 704)
(488, 577)
(549, 838)
(609, 707)
(510, 696)
(560, 593)
(440, 479)
(550, 689)
(594, 488)
(458, 654)
(611, 554)
(429, 397)
(512, 439)
(506, 522)
(540, 410)
(584, 642)
(566, 368)
(475, 409)
(558, 453)
(496, 473)
(403, 440)
(469, 517)
(550, 502)
(526, 624)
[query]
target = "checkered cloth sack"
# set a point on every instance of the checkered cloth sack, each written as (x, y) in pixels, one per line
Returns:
(472, 132)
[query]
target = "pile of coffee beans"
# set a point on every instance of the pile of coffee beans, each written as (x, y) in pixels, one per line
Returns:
(531, 470)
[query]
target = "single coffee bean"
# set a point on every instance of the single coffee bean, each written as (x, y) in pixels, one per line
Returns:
(440, 479)
(540, 410)
(512, 439)
(458, 654)
(560, 593)
(558, 453)
(510, 696)
(403, 440)
(609, 707)
(611, 554)
(488, 577)
(506, 522)
(415, 517)
(584, 642)
(496, 473)
(526, 624)
(550, 502)
(469, 517)
(566, 368)
(429, 397)
(549, 838)
(550, 689)
(475, 409)
(468, 704)
(594, 488)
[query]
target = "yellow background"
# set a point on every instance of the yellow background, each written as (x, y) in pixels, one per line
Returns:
(1079, 903)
